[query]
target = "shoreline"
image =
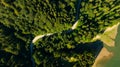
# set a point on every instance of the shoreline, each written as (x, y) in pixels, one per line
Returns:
(105, 55)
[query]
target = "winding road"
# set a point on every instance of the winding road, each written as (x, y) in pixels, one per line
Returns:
(41, 36)
(73, 27)
(104, 53)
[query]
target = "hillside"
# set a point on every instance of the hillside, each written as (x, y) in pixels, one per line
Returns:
(73, 24)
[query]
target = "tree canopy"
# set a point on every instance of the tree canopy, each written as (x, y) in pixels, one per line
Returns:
(22, 20)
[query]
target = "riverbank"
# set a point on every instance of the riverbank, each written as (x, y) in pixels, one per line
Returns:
(107, 38)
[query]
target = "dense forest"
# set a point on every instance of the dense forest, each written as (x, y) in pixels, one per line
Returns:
(22, 20)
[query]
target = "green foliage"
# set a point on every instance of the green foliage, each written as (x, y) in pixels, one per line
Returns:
(56, 53)
(22, 20)
(96, 15)
(65, 49)
(10, 60)
(38, 17)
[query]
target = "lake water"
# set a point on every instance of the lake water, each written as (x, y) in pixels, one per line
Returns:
(109, 55)
(115, 59)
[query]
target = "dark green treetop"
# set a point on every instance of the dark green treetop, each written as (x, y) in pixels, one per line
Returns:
(22, 20)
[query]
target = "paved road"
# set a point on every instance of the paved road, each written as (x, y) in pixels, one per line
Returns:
(41, 36)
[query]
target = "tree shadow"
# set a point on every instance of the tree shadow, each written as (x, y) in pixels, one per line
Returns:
(84, 50)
